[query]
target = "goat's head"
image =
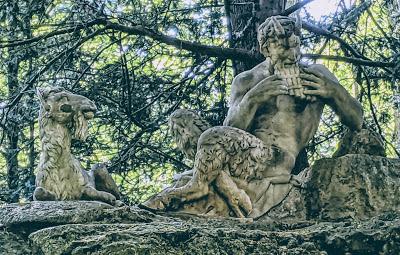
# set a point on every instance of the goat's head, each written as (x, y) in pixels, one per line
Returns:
(71, 110)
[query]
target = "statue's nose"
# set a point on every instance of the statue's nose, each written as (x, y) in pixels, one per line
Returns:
(88, 106)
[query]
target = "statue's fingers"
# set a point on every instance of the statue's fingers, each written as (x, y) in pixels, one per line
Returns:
(313, 98)
(314, 72)
(314, 92)
(280, 83)
(281, 92)
(301, 90)
(312, 84)
(310, 77)
(297, 93)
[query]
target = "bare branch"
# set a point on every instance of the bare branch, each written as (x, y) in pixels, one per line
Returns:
(295, 7)
(320, 31)
(49, 35)
(212, 51)
(356, 61)
(30, 83)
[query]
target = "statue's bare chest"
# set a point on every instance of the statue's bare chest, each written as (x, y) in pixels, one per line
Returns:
(283, 104)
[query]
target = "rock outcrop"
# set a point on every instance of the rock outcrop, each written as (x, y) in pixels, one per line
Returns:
(95, 228)
(353, 186)
(348, 205)
(356, 186)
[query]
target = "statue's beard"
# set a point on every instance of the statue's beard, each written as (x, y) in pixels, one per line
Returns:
(80, 127)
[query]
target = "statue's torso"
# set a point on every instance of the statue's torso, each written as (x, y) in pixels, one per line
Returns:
(284, 121)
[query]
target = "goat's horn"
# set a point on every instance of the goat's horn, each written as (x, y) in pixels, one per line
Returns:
(298, 24)
(278, 27)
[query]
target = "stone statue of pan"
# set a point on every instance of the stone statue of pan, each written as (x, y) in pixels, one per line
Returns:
(243, 168)
(64, 116)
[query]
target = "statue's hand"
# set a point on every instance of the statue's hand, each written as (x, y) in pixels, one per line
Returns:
(266, 89)
(317, 84)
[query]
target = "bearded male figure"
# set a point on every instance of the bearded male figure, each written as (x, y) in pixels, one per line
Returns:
(275, 109)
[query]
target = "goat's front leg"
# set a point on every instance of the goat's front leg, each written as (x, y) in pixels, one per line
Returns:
(236, 198)
(172, 198)
(209, 162)
(93, 194)
(42, 194)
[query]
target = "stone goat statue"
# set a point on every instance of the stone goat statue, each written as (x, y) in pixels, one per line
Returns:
(64, 116)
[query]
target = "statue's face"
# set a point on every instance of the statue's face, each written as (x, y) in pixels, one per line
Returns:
(283, 51)
(67, 108)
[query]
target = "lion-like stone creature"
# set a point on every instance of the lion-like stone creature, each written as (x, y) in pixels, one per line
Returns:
(64, 116)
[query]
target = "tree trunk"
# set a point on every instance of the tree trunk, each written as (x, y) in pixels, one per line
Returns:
(244, 17)
(12, 129)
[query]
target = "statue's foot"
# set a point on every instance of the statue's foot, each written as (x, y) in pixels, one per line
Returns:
(119, 203)
(296, 181)
(97, 195)
(154, 204)
(41, 194)
(167, 199)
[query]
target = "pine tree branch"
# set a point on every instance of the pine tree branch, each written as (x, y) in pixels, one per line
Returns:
(295, 7)
(8, 44)
(355, 61)
(209, 50)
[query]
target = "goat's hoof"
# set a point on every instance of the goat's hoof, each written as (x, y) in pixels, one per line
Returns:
(154, 203)
(41, 194)
(119, 203)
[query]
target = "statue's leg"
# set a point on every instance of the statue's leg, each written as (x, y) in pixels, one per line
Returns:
(211, 160)
(182, 179)
(103, 180)
(196, 188)
(236, 198)
(42, 194)
(93, 194)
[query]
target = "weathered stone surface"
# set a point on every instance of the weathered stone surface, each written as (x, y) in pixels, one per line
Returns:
(29, 217)
(380, 235)
(292, 208)
(12, 244)
(64, 116)
(274, 111)
(135, 231)
(363, 142)
(356, 186)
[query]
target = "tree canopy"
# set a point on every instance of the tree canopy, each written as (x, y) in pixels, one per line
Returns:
(140, 60)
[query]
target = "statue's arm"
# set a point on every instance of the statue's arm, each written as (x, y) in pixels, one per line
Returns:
(247, 94)
(325, 85)
(241, 109)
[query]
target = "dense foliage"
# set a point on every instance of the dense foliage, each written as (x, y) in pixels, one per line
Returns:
(139, 60)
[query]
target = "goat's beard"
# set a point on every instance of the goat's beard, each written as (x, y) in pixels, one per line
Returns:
(80, 127)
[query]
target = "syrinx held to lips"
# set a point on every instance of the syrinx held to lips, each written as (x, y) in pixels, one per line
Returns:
(292, 77)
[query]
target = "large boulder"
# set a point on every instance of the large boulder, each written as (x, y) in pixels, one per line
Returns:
(29, 217)
(364, 141)
(13, 244)
(354, 185)
(130, 230)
